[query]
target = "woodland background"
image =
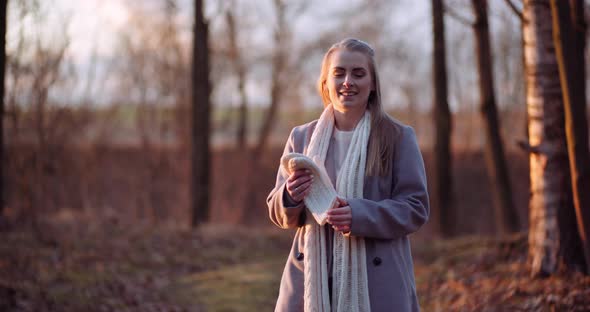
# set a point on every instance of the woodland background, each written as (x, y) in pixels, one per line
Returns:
(132, 182)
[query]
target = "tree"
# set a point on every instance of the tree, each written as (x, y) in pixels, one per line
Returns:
(551, 240)
(200, 158)
(279, 63)
(235, 57)
(442, 119)
(518, 13)
(569, 30)
(3, 16)
(505, 213)
(150, 28)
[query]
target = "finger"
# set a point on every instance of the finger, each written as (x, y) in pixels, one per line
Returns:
(341, 201)
(339, 217)
(340, 223)
(304, 194)
(301, 196)
(305, 185)
(292, 185)
(339, 211)
(299, 185)
(298, 173)
(303, 180)
(301, 191)
(336, 205)
(302, 172)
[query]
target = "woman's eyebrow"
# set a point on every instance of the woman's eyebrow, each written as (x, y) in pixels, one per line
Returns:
(343, 68)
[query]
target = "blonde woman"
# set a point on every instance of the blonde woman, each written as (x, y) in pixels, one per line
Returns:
(354, 255)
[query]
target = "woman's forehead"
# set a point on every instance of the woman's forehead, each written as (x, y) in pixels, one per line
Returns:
(346, 59)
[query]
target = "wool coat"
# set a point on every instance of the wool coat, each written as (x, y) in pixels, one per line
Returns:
(393, 206)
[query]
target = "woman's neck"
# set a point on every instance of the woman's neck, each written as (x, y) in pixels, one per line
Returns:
(347, 121)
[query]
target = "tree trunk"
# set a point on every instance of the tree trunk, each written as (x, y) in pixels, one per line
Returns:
(442, 119)
(506, 219)
(410, 95)
(241, 132)
(278, 64)
(548, 157)
(200, 158)
(3, 15)
(569, 30)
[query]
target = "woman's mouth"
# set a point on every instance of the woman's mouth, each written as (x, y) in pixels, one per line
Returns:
(347, 93)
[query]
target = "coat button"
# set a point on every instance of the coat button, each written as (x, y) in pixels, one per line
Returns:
(299, 256)
(377, 261)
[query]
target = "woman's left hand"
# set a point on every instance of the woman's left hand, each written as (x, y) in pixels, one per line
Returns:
(340, 216)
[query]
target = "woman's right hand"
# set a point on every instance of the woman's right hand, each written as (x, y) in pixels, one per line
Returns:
(298, 184)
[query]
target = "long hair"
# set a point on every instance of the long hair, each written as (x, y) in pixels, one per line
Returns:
(384, 131)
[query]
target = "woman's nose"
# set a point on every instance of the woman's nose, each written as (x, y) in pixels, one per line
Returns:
(347, 82)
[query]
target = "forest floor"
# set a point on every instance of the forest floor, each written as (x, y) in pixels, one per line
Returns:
(79, 266)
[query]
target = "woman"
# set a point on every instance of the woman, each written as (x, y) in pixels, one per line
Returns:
(360, 259)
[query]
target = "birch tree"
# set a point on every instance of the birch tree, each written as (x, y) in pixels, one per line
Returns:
(548, 160)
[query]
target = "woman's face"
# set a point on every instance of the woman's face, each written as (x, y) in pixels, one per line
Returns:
(349, 80)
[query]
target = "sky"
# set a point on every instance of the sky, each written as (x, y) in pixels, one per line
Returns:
(91, 27)
(94, 25)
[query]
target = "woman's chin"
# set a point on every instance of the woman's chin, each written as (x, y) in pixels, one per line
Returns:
(348, 106)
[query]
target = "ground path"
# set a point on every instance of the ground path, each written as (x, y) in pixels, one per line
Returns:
(69, 266)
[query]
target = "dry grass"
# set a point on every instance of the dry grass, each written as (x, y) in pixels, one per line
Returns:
(65, 266)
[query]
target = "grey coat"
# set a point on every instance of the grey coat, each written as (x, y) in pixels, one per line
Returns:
(393, 207)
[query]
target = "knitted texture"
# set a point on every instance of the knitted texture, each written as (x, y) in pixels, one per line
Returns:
(322, 194)
(350, 290)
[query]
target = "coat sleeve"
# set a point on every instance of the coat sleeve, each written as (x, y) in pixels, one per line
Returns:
(280, 210)
(407, 209)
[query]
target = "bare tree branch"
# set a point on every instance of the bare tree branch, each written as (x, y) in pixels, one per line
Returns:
(514, 9)
(461, 19)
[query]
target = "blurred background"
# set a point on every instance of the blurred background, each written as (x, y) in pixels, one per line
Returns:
(99, 134)
(98, 98)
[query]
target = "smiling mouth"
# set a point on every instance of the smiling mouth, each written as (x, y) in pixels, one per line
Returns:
(347, 93)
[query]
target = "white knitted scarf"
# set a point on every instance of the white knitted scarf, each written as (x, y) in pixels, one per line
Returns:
(349, 288)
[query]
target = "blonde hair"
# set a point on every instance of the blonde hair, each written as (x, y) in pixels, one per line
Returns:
(384, 131)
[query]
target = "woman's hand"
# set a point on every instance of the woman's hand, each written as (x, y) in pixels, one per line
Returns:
(298, 184)
(340, 216)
